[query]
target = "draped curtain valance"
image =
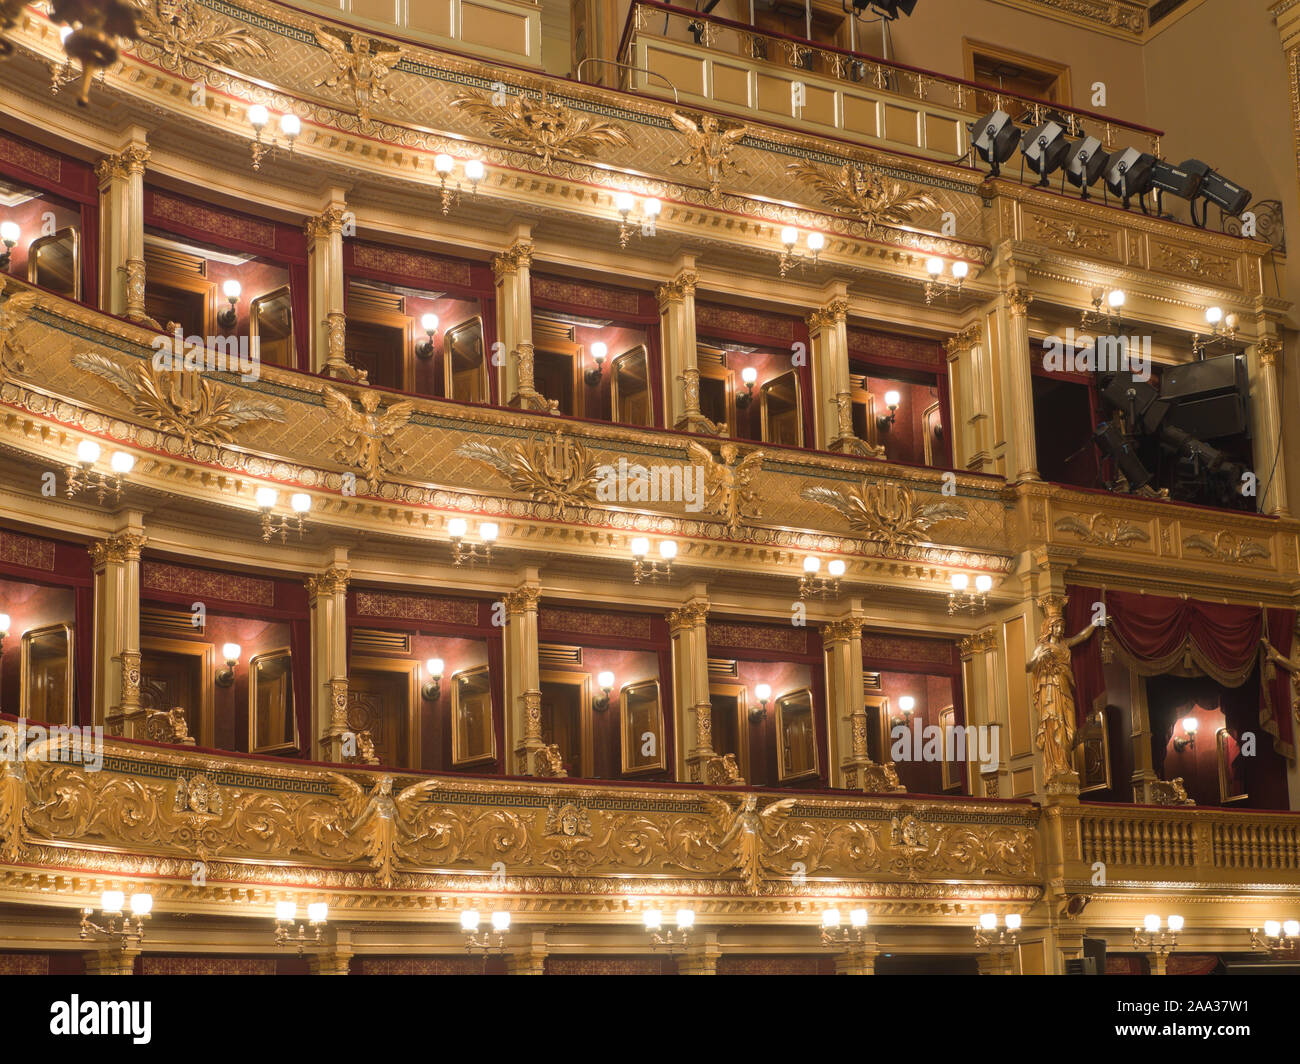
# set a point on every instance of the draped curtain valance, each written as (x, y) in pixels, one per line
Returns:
(1155, 634)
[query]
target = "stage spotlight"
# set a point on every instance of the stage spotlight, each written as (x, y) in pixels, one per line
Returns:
(994, 138)
(1044, 150)
(890, 9)
(1085, 162)
(1183, 180)
(1227, 195)
(1128, 174)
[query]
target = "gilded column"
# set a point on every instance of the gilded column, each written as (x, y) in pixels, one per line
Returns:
(1020, 394)
(327, 600)
(700, 958)
(325, 261)
(832, 392)
(688, 629)
(859, 959)
(511, 272)
(1266, 418)
(116, 698)
(849, 754)
(121, 204)
(523, 687)
(680, 352)
(529, 959)
(971, 390)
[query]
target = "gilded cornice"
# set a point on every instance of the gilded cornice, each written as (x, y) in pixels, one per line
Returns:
(1125, 19)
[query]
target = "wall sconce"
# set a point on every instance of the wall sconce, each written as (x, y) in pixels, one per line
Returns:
(1190, 727)
(1150, 937)
(939, 285)
(674, 939)
(906, 707)
(493, 941)
(961, 599)
(289, 934)
(748, 377)
(883, 421)
(763, 693)
(1223, 330)
(461, 552)
(82, 475)
(598, 353)
(625, 203)
(62, 73)
(230, 653)
(1277, 937)
(266, 499)
(258, 118)
(432, 688)
(791, 258)
(116, 925)
(231, 289)
(660, 568)
(988, 936)
(1107, 308)
(10, 234)
(444, 165)
(605, 681)
(429, 323)
(4, 630)
(811, 583)
(834, 933)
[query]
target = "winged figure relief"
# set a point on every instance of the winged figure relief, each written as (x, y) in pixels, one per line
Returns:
(210, 413)
(541, 125)
(13, 311)
(864, 192)
(886, 514)
(363, 66)
(365, 435)
(728, 481)
(183, 29)
(710, 146)
(375, 822)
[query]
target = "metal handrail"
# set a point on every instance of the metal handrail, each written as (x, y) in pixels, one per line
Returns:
(627, 66)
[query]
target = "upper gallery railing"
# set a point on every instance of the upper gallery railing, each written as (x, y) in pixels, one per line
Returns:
(737, 67)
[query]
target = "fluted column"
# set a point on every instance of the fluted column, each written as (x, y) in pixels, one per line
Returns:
(116, 565)
(327, 599)
(121, 205)
(979, 679)
(688, 629)
(971, 387)
(1020, 385)
(511, 271)
(832, 392)
(842, 651)
(325, 260)
(859, 959)
(523, 688)
(681, 373)
(1266, 420)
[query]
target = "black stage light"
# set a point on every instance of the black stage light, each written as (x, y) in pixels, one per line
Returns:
(1183, 180)
(891, 9)
(1044, 149)
(1129, 174)
(1085, 162)
(1227, 195)
(994, 138)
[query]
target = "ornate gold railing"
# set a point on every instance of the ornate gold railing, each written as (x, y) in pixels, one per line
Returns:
(734, 66)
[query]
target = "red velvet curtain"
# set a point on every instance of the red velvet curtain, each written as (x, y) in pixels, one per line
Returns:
(303, 695)
(1160, 633)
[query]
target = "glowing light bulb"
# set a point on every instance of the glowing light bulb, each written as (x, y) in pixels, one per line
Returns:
(469, 920)
(64, 33)
(5, 622)
(1116, 298)
(111, 901)
(652, 208)
(599, 350)
(836, 568)
(830, 918)
(640, 547)
(961, 270)
(290, 125)
(230, 652)
(934, 267)
(1272, 928)
(258, 116)
(858, 917)
(87, 452)
(443, 164)
(789, 236)
(457, 527)
(988, 921)
(141, 904)
(1292, 928)
(749, 375)
(500, 920)
(1152, 922)
(488, 531)
(653, 919)
(266, 497)
(285, 911)
(300, 501)
(9, 233)
(434, 666)
(983, 583)
(605, 680)
(1214, 315)
(960, 581)
(1191, 725)
(763, 691)
(816, 241)
(906, 703)
(1013, 921)
(232, 289)
(475, 171)
(122, 462)
(685, 918)
(1175, 923)
(668, 550)
(892, 399)
(429, 323)
(623, 203)
(318, 912)
(811, 564)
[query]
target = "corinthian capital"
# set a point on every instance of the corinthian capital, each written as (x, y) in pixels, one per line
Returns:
(523, 599)
(124, 547)
(518, 256)
(692, 615)
(676, 290)
(969, 337)
(1018, 299)
(333, 581)
(122, 165)
(834, 312)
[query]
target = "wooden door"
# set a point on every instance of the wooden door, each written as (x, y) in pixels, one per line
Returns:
(562, 722)
(379, 702)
